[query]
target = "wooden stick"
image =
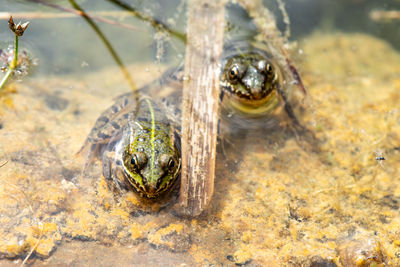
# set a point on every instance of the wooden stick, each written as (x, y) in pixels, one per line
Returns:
(200, 103)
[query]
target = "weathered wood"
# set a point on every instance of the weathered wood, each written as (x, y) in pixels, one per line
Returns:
(200, 103)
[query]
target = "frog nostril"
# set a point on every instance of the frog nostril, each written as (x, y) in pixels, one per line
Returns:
(256, 91)
(254, 83)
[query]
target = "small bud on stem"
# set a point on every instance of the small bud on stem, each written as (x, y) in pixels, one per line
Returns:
(19, 28)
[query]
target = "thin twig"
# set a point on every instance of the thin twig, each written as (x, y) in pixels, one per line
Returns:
(272, 37)
(4, 163)
(79, 13)
(34, 247)
(158, 25)
(107, 44)
(27, 199)
(285, 16)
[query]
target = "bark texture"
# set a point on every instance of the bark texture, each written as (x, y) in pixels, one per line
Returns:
(200, 103)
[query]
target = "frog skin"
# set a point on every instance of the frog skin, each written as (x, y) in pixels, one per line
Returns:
(138, 145)
(253, 83)
(251, 86)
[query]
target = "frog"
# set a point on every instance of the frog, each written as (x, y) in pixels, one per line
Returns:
(138, 142)
(253, 84)
(138, 145)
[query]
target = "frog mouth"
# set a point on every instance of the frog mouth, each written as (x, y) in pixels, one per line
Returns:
(242, 92)
(245, 94)
(146, 190)
(139, 187)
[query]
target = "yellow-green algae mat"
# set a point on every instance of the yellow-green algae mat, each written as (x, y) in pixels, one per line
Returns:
(283, 205)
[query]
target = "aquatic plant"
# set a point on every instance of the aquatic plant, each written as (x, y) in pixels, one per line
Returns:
(18, 30)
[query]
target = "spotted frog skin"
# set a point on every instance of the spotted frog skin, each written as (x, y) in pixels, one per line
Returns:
(138, 146)
(252, 83)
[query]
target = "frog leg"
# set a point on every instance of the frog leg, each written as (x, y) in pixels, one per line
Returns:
(300, 131)
(296, 75)
(289, 110)
(113, 173)
(221, 95)
(105, 127)
(105, 124)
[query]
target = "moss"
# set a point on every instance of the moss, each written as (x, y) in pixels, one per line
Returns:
(174, 237)
(273, 198)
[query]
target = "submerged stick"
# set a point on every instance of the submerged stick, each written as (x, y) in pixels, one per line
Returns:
(200, 103)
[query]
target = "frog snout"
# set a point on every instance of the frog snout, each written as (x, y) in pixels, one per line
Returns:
(254, 82)
(151, 189)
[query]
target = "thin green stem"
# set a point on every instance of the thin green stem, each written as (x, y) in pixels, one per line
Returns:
(107, 44)
(15, 61)
(158, 25)
(13, 64)
(5, 78)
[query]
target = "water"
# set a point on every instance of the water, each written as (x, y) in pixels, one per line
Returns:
(277, 200)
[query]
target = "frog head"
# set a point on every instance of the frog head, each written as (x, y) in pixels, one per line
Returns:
(152, 163)
(250, 80)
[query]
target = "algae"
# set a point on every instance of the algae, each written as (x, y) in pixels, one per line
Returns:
(276, 202)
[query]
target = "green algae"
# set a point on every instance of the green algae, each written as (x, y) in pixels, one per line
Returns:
(276, 202)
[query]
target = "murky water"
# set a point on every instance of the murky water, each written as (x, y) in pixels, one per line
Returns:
(277, 200)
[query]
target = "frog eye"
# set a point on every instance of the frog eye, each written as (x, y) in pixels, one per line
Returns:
(269, 69)
(171, 163)
(138, 160)
(234, 73)
(134, 161)
(167, 162)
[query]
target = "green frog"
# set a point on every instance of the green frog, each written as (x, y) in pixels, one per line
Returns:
(253, 84)
(138, 145)
(138, 142)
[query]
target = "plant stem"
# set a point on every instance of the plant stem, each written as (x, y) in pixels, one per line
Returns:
(13, 64)
(15, 61)
(108, 45)
(158, 25)
(78, 13)
(5, 78)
